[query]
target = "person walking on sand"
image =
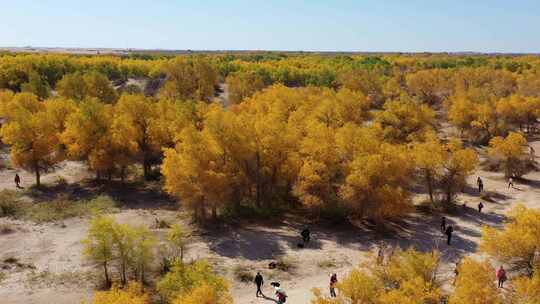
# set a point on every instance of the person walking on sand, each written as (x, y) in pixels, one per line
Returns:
(306, 235)
(456, 273)
(480, 207)
(501, 277)
(333, 282)
(281, 295)
(443, 224)
(17, 180)
(480, 184)
(449, 230)
(380, 254)
(510, 182)
(259, 281)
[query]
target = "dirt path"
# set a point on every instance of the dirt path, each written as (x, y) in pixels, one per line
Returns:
(55, 250)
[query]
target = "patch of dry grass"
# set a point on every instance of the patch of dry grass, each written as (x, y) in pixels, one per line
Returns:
(243, 273)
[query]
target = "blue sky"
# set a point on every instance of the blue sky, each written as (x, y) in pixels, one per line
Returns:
(315, 25)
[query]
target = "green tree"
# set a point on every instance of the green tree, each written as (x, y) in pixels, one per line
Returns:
(184, 278)
(98, 244)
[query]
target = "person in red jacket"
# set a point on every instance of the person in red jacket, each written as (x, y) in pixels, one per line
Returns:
(501, 276)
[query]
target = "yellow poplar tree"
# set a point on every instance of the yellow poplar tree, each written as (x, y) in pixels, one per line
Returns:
(405, 120)
(190, 78)
(32, 131)
(527, 289)
(88, 136)
(517, 243)
(458, 165)
(475, 284)
(316, 182)
(511, 153)
(133, 115)
(243, 84)
(376, 183)
(429, 158)
(197, 172)
(409, 277)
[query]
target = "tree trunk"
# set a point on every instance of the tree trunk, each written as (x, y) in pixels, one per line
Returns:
(214, 212)
(146, 166)
(123, 174)
(123, 273)
(429, 181)
(142, 274)
(257, 180)
(107, 279)
(38, 176)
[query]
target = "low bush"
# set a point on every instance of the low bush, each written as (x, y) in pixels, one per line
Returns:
(286, 264)
(10, 204)
(6, 229)
(330, 263)
(63, 208)
(243, 274)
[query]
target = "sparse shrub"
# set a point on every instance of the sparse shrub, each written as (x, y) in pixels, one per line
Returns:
(162, 224)
(243, 274)
(286, 264)
(330, 263)
(61, 182)
(63, 208)
(10, 204)
(6, 229)
(11, 260)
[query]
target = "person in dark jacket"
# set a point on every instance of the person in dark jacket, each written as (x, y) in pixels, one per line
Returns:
(17, 180)
(449, 230)
(259, 281)
(480, 207)
(480, 185)
(443, 224)
(306, 235)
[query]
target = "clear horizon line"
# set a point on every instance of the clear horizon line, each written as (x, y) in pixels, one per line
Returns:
(256, 50)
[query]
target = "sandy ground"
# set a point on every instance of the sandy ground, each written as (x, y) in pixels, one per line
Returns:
(52, 248)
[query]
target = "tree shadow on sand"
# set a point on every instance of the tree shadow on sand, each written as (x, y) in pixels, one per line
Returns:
(269, 299)
(425, 234)
(130, 195)
(264, 242)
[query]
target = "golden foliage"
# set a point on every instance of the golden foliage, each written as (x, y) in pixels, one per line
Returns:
(511, 152)
(131, 295)
(517, 243)
(475, 284)
(408, 277)
(204, 294)
(193, 78)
